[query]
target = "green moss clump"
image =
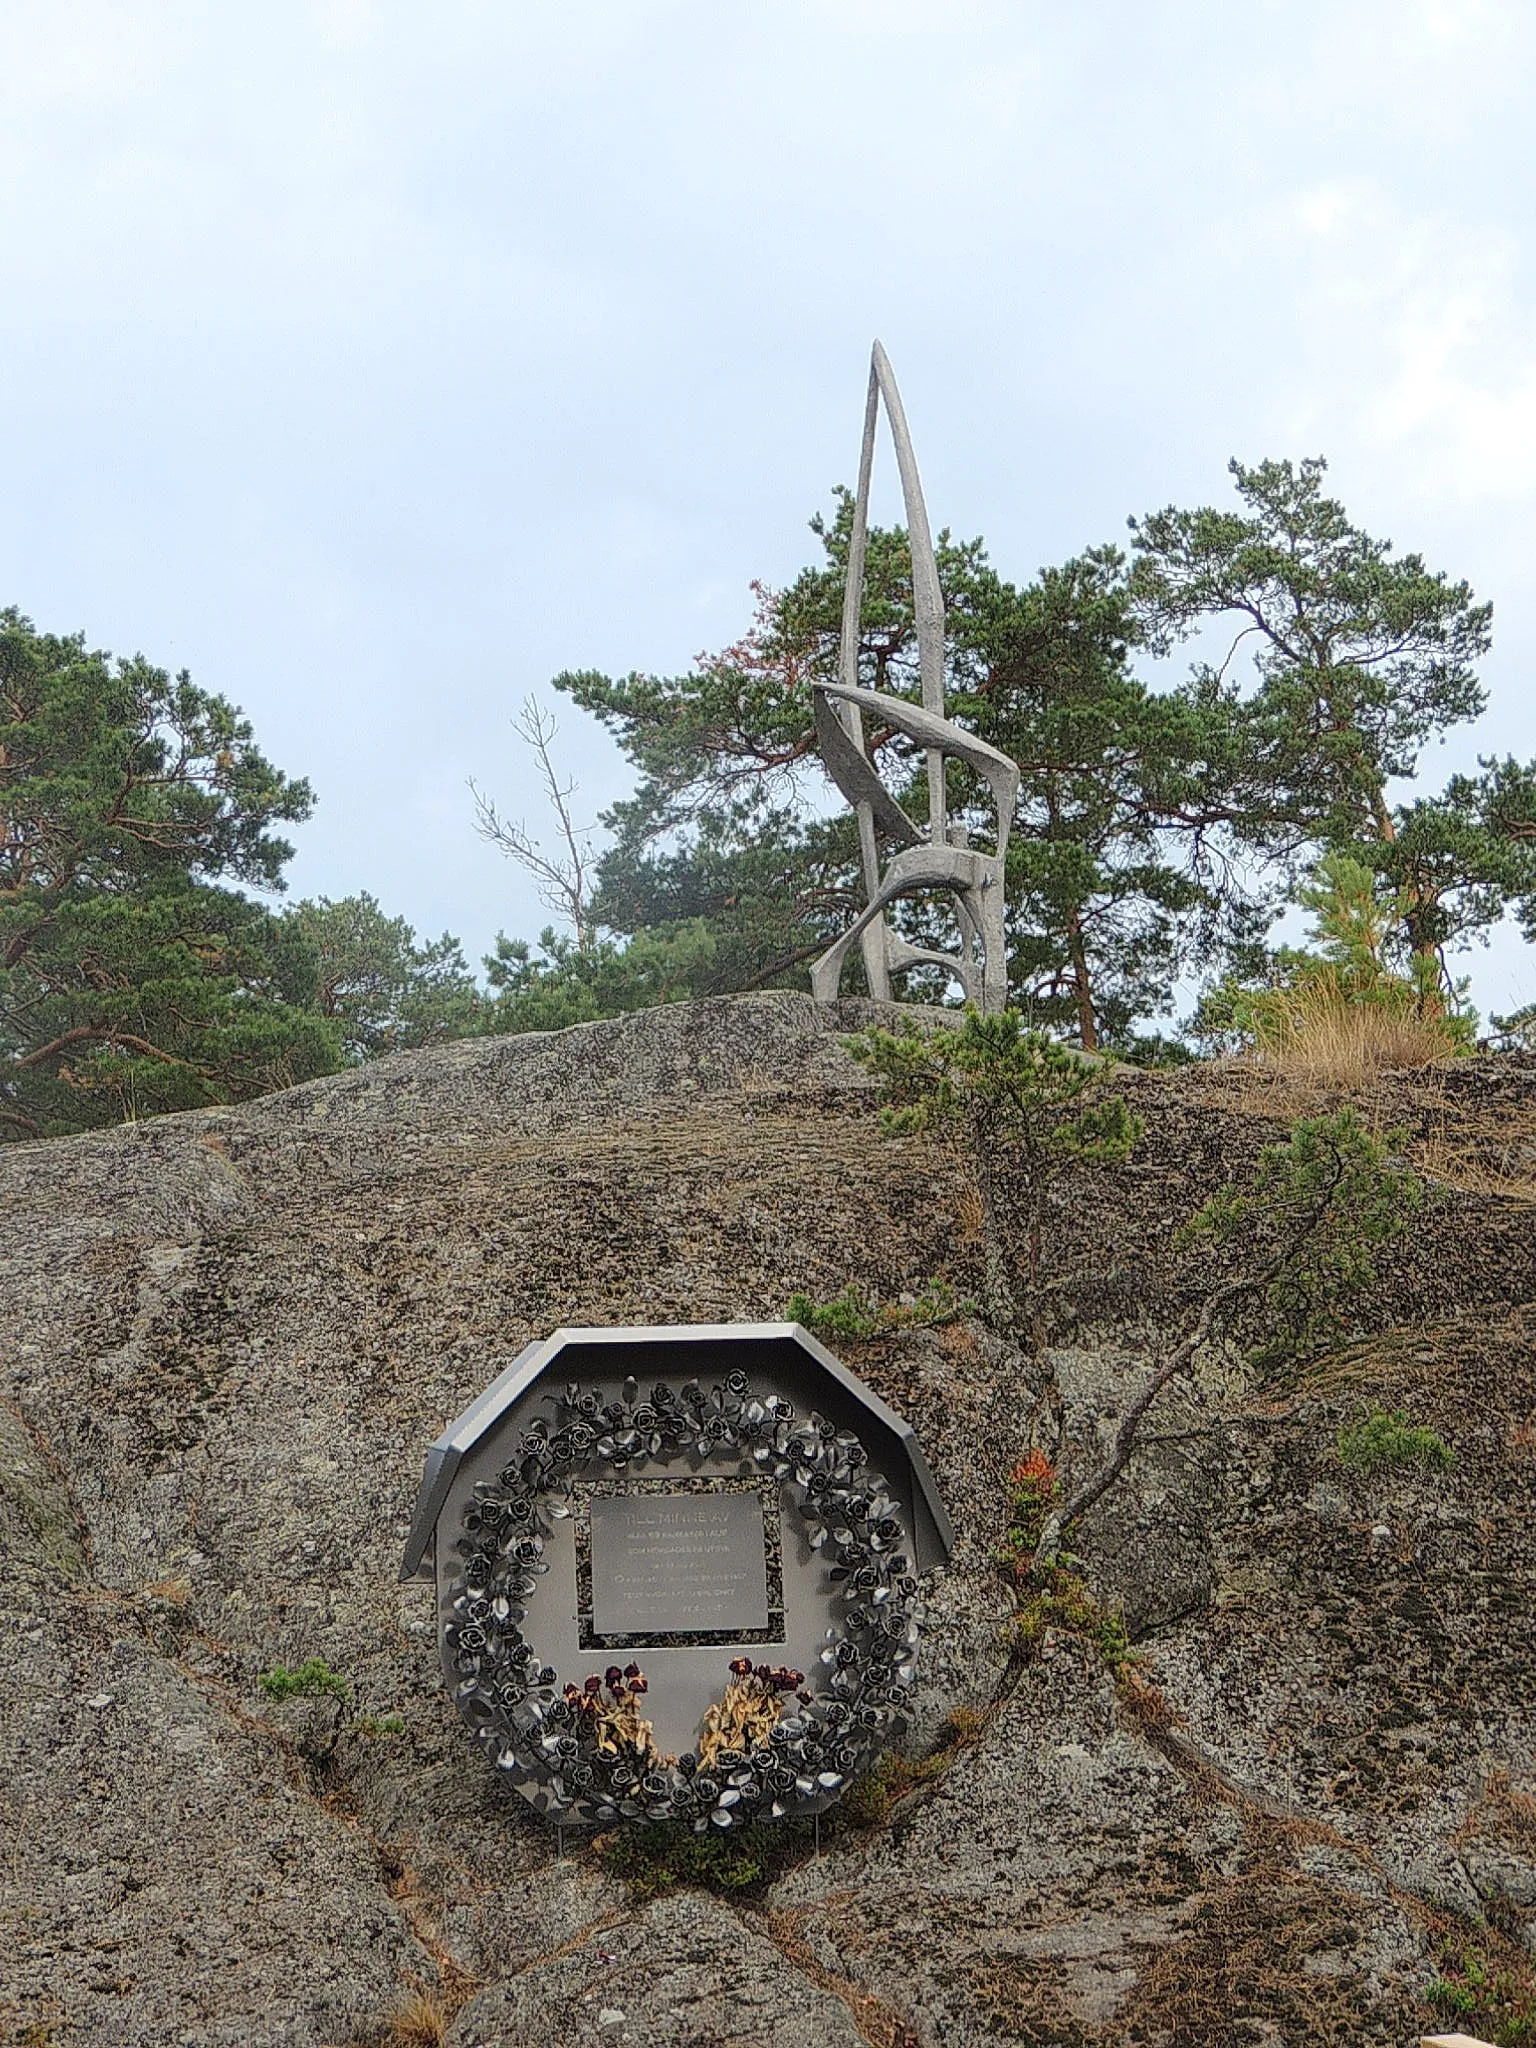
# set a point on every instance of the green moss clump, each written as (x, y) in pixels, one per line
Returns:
(870, 1800)
(1491, 1987)
(1385, 1437)
(380, 1724)
(859, 1313)
(314, 1675)
(666, 1856)
(1060, 1598)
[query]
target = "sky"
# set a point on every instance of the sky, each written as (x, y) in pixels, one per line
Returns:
(377, 362)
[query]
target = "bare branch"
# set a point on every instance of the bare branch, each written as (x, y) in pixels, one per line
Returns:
(1180, 1360)
(563, 878)
(120, 1041)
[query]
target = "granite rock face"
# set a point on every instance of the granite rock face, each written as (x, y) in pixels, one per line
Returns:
(685, 1972)
(227, 1338)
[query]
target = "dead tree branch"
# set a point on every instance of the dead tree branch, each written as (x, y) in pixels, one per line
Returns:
(563, 877)
(1179, 1361)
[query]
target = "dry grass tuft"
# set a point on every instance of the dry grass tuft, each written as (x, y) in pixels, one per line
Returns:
(1487, 1154)
(169, 1592)
(1505, 1812)
(969, 1220)
(1471, 1123)
(958, 1342)
(418, 2020)
(1143, 1698)
(1269, 1954)
(1319, 1037)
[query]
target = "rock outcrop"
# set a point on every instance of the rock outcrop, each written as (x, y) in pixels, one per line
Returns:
(226, 1339)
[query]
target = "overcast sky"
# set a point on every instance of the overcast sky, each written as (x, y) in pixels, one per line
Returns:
(376, 361)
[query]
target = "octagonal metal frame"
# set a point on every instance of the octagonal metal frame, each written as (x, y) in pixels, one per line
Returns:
(803, 1368)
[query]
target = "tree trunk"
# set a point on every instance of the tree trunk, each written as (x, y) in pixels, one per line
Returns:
(1082, 983)
(1425, 952)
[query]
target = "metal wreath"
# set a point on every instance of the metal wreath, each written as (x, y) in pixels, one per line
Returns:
(577, 1752)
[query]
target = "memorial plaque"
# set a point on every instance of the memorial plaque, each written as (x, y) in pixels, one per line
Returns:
(679, 1573)
(668, 1563)
(678, 1561)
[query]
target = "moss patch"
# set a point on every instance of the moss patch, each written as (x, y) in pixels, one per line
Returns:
(37, 1521)
(668, 1856)
(1487, 1986)
(1384, 1437)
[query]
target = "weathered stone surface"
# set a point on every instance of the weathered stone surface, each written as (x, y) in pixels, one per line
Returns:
(167, 1875)
(685, 1973)
(228, 1338)
(1019, 1863)
(39, 1532)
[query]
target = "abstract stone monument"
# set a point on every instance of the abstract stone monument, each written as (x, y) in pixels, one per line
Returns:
(940, 859)
(677, 1572)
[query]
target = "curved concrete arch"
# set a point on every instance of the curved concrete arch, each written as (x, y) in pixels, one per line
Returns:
(975, 881)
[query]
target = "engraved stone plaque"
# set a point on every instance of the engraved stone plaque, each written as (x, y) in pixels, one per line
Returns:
(670, 1561)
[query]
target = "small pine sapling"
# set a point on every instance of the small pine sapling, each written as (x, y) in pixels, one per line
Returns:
(1309, 1224)
(1016, 1101)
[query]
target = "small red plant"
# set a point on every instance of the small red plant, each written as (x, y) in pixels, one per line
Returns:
(1036, 1472)
(1034, 1488)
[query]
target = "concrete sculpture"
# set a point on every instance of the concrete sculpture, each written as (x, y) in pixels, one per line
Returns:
(920, 863)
